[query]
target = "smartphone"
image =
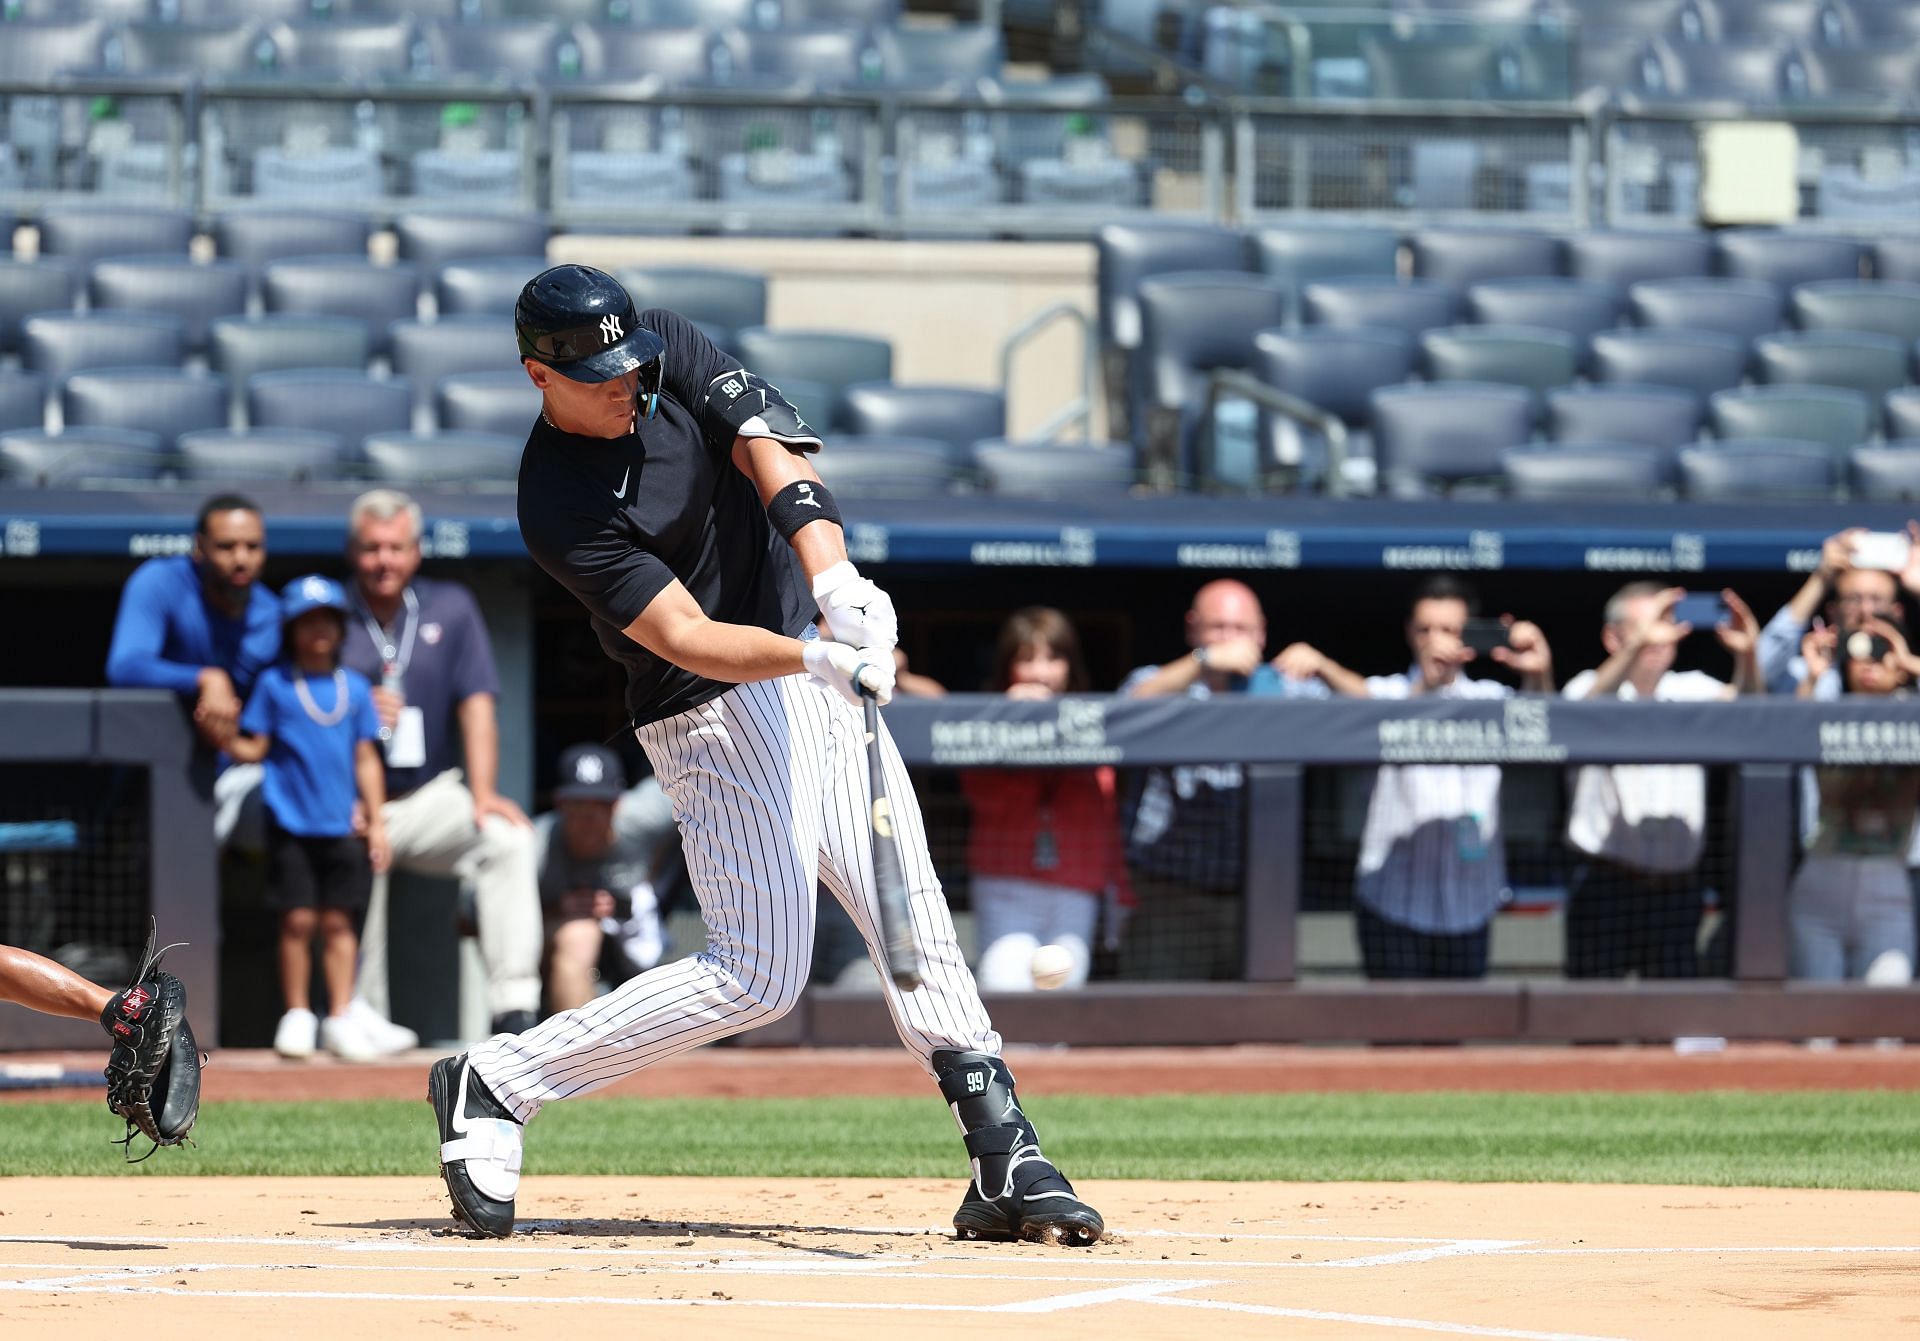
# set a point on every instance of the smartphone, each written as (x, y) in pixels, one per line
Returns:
(1702, 609)
(1885, 550)
(1483, 635)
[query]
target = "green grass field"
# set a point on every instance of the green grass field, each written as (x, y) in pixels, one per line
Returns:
(1853, 1139)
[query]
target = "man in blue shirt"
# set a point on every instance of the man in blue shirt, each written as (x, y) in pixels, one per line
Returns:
(203, 626)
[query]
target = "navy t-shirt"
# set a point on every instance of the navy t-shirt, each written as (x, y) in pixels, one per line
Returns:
(309, 785)
(616, 520)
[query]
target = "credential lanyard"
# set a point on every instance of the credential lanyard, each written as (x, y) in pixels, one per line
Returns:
(395, 659)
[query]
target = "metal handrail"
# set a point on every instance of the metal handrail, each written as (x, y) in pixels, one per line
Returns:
(1078, 411)
(1224, 382)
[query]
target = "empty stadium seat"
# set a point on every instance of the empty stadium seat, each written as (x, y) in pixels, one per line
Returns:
(431, 240)
(1625, 258)
(956, 415)
(832, 360)
(257, 237)
(1628, 61)
(559, 11)
(1463, 63)
(1336, 370)
(37, 457)
(1191, 324)
(1651, 416)
(1888, 473)
(1702, 362)
(1870, 364)
(678, 55)
(1864, 74)
(824, 56)
(86, 233)
(1684, 20)
(504, 403)
(104, 11)
(1054, 470)
(1810, 22)
(239, 347)
(721, 302)
(886, 467)
(925, 59)
(47, 284)
(1623, 470)
(1787, 259)
(1446, 433)
(215, 48)
(344, 286)
(519, 48)
(164, 401)
(61, 343)
(443, 458)
(264, 11)
(351, 46)
(1461, 257)
(1412, 306)
(1884, 21)
(1834, 416)
(1126, 254)
(1903, 412)
(40, 48)
(194, 291)
(1897, 256)
(1762, 71)
(1743, 308)
(871, 13)
(1524, 356)
(426, 351)
(1578, 308)
(485, 286)
(331, 400)
(288, 454)
(1302, 254)
(23, 399)
(1886, 307)
(1752, 470)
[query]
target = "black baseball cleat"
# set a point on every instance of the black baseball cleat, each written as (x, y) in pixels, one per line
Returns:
(1036, 1202)
(479, 1147)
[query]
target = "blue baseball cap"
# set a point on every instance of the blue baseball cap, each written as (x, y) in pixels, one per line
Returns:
(312, 592)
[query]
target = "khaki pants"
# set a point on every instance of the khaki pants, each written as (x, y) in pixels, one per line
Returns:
(432, 832)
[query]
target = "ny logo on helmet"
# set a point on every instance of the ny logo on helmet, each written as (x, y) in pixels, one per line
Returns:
(610, 329)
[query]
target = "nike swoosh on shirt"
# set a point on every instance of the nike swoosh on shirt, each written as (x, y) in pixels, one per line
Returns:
(621, 492)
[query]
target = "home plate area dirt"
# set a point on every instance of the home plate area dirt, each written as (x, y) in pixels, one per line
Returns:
(851, 1259)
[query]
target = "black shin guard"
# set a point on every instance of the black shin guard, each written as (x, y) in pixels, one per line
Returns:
(1016, 1192)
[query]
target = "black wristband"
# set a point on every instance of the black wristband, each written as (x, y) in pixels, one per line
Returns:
(801, 502)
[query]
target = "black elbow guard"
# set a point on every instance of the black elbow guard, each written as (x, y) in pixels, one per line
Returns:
(749, 404)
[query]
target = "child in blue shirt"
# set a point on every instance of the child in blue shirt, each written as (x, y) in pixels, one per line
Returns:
(313, 724)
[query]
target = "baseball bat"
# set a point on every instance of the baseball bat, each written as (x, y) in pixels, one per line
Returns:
(889, 877)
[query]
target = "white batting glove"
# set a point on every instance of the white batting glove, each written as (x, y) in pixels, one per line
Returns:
(846, 667)
(858, 613)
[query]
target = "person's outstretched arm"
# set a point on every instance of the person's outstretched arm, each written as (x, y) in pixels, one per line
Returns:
(36, 982)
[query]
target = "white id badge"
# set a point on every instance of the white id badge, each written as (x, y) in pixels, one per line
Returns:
(408, 748)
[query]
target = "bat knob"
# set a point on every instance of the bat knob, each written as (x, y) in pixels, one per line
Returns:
(907, 979)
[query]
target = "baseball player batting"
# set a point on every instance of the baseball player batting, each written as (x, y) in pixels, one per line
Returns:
(670, 491)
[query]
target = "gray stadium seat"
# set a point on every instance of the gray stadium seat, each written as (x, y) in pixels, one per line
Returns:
(1761, 71)
(1748, 469)
(23, 399)
(217, 48)
(344, 286)
(1836, 417)
(47, 284)
(105, 11)
(1684, 20)
(444, 458)
(559, 11)
(886, 467)
(38, 49)
(956, 415)
(1054, 469)
(257, 237)
(929, 58)
(1887, 473)
(1881, 20)
(1624, 470)
(679, 54)
(1865, 74)
(526, 48)
(1461, 257)
(1298, 256)
(1412, 306)
(61, 343)
(1627, 257)
(487, 286)
(1446, 433)
(194, 291)
(823, 55)
(1903, 412)
(1652, 416)
(426, 351)
(1810, 22)
(431, 240)
(85, 233)
(37, 457)
(832, 360)
(332, 400)
(1886, 307)
(1126, 254)
(1463, 63)
(288, 454)
(871, 13)
(1524, 356)
(1575, 306)
(1627, 62)
(1336, 370)
(1702, 362)
(719, 301)
(1788, 259)
(1193, 323)
(1897, 255)
(714, 13)
(353, 46)
(243, 346)
(1743, 308)
(264, 11)
(166, 401)
(506, 403)
(1870, 364)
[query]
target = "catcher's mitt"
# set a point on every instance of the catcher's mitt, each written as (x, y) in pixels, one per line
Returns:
(153, 1073)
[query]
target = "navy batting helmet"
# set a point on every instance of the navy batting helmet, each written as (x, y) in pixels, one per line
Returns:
(580, 322)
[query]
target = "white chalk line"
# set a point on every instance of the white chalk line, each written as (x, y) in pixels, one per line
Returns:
(1376, 1320)
(812, 1270)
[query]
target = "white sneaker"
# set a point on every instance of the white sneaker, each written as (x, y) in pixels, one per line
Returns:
(297, 1034)
(342, 1036)
(386, 1037)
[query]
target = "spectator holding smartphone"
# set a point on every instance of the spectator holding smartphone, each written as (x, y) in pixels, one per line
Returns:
(311, 724)
(1848, 593)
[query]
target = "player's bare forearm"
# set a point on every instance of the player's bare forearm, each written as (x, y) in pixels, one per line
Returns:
(245, 749)
(480, 743)
(38, 983)
(772, 466)
(675, 628)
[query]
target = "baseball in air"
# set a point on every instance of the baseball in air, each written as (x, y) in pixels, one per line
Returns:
(1052, 966)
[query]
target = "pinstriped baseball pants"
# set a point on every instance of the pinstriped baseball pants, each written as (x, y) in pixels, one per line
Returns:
(769, 787)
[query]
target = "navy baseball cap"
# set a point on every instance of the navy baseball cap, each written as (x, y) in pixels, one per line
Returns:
(312, 592)
(590, 773)
(581, 323)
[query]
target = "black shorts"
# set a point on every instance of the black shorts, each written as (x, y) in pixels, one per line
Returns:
(316, 872)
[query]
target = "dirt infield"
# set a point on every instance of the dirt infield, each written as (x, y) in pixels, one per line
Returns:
(855, 1259)
(825, 1073)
